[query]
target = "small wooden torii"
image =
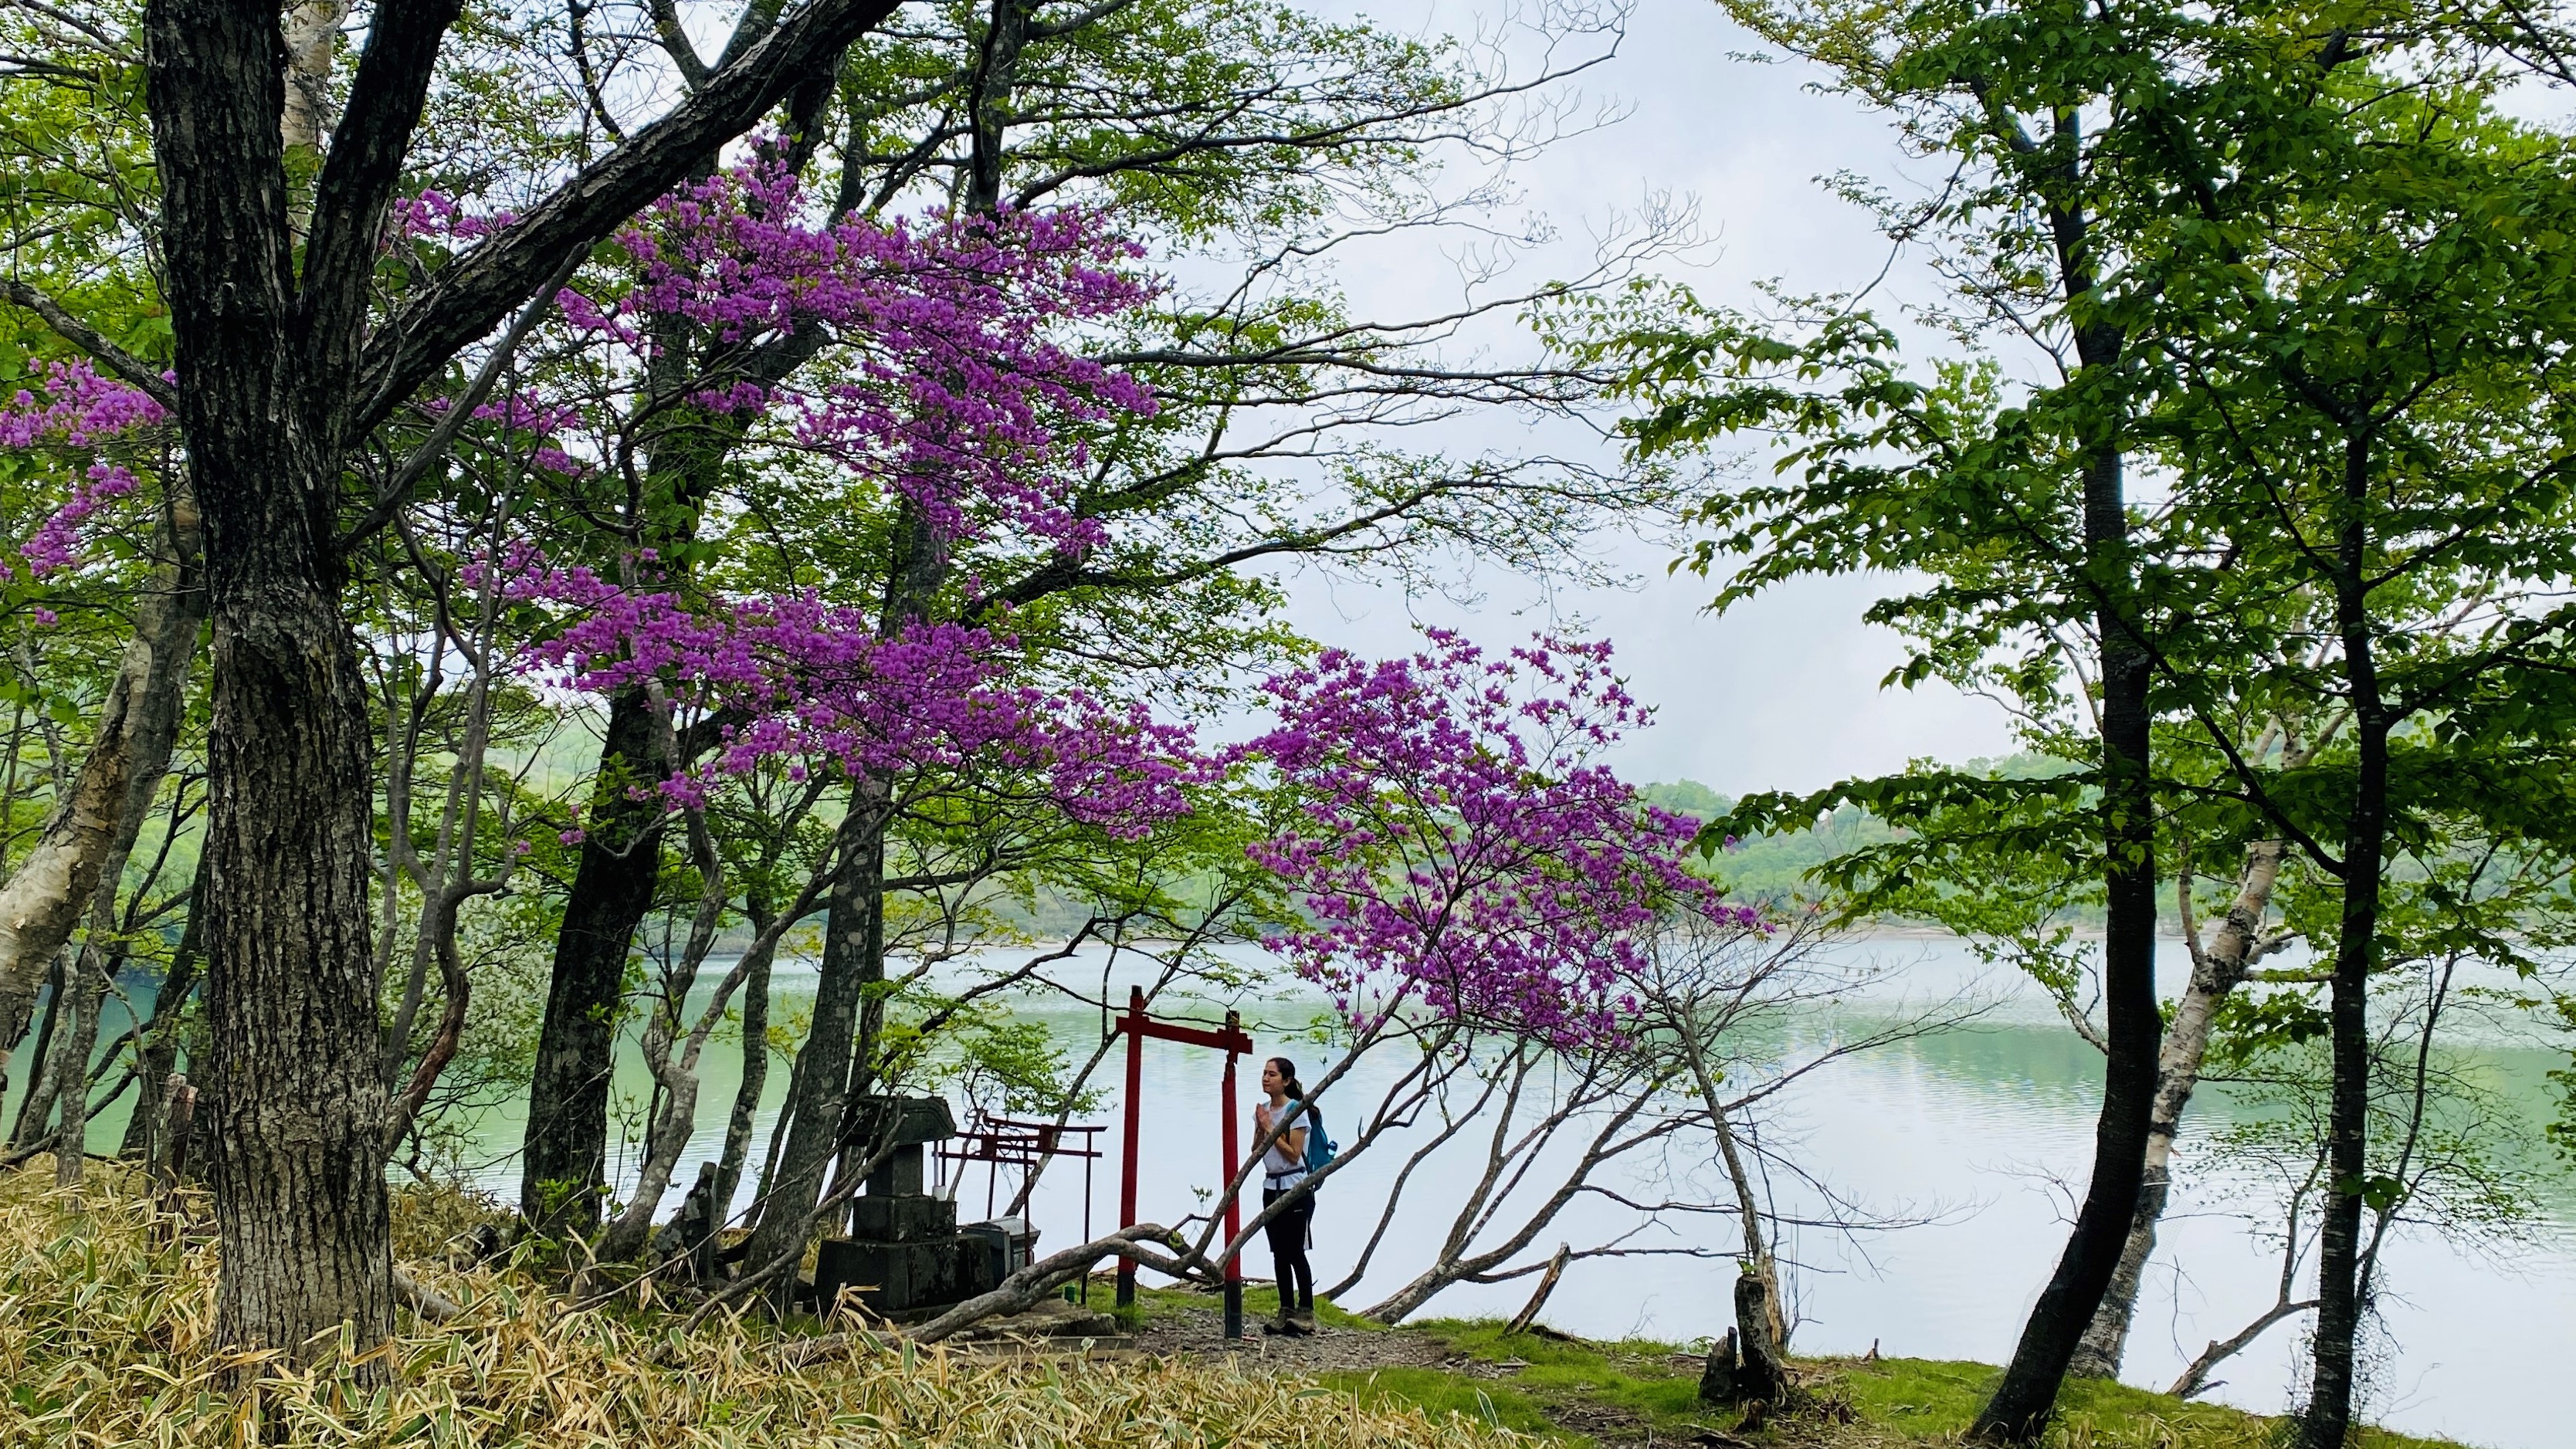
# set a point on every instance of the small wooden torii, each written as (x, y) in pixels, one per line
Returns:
(1234, 1042)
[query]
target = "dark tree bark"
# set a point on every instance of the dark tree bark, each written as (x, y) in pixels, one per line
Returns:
(853, 959)
(1717, 1372)
(2340, 1304)
(2027, 1393)
(296, 1089)
(564, 1163)
(1761, 1359)
(36, 1108)
(277, 375)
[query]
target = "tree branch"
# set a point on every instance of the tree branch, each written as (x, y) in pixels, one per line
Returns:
(466, 299)
(124, 364)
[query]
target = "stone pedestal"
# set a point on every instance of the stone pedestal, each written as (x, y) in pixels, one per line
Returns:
(904, 1251)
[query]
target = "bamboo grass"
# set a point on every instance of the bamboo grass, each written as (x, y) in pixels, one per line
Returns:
(106, 1339)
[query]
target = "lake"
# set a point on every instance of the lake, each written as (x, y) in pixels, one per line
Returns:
(1984, 1130)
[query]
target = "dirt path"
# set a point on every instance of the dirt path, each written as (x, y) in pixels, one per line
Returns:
(1199, 1331)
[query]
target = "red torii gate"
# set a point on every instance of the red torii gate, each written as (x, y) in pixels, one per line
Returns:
(1234, 1042)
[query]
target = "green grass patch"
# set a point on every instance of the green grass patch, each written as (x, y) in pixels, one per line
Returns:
(1560, 1387)
(1638, 1378)
(1929, 1401)
(1437, 1392)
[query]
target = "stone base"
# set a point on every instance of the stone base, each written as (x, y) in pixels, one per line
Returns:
(893, 1277)
(901, 1218)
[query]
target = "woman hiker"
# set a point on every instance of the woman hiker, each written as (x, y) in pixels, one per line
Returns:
(1282, 1168)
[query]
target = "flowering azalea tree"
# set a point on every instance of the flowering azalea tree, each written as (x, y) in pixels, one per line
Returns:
(804, 686)
(87, 430)
(942, 376)
(790, 678)
(1466, 867)
(944, 409)
(1463, 848)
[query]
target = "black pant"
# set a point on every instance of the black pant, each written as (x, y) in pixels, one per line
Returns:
(1287, 1234)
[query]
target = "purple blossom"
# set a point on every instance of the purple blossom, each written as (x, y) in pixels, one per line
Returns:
(78, 412)
(1461, 846)
(955, 392)
(816, 683)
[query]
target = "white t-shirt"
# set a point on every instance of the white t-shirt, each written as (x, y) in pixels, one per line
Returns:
(1279, 1162)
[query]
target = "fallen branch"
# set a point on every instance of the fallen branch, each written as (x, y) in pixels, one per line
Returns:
(1529, 1311)
(420, 1298)
(2195, 1379)
(1025, 1287)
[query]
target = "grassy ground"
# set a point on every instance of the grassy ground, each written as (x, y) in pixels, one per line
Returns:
(107, 1338)
(1641, 1392)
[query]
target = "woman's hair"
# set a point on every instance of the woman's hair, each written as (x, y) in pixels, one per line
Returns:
(1288, 1074)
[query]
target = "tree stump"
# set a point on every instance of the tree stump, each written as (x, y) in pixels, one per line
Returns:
(1717, 1376)
(1761, 1370)
(691, 1233)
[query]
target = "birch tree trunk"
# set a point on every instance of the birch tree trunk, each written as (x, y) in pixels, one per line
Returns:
(83, 847)
(2218, 971)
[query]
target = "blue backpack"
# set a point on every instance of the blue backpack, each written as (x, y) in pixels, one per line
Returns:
(1320, 1149)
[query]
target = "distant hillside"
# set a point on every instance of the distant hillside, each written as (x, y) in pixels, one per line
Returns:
(1775, 866)
(1771, 866)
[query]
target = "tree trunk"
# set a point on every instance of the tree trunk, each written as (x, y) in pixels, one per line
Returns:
(1771, 1335)
(564, 1157)
(158, 1053)
(2219, 971)
(37, 1107)
(746, 1098)
(312, 33)
(129, 753)
(1717, 1371)
(2027, 1393)
(165, 642)
(275, 373)
(673, 1056)
(2339, 1288)
(919, 563)
(295, 1086)
(666, 1139)
(72, 1052)
(853, 959)
(1761, 1359)
(1538, 1296)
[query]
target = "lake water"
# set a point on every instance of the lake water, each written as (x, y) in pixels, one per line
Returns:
(1978, 1128)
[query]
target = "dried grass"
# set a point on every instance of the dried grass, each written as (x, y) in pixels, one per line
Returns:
(106, 1338)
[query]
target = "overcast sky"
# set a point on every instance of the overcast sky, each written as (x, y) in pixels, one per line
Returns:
(1782, 692)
